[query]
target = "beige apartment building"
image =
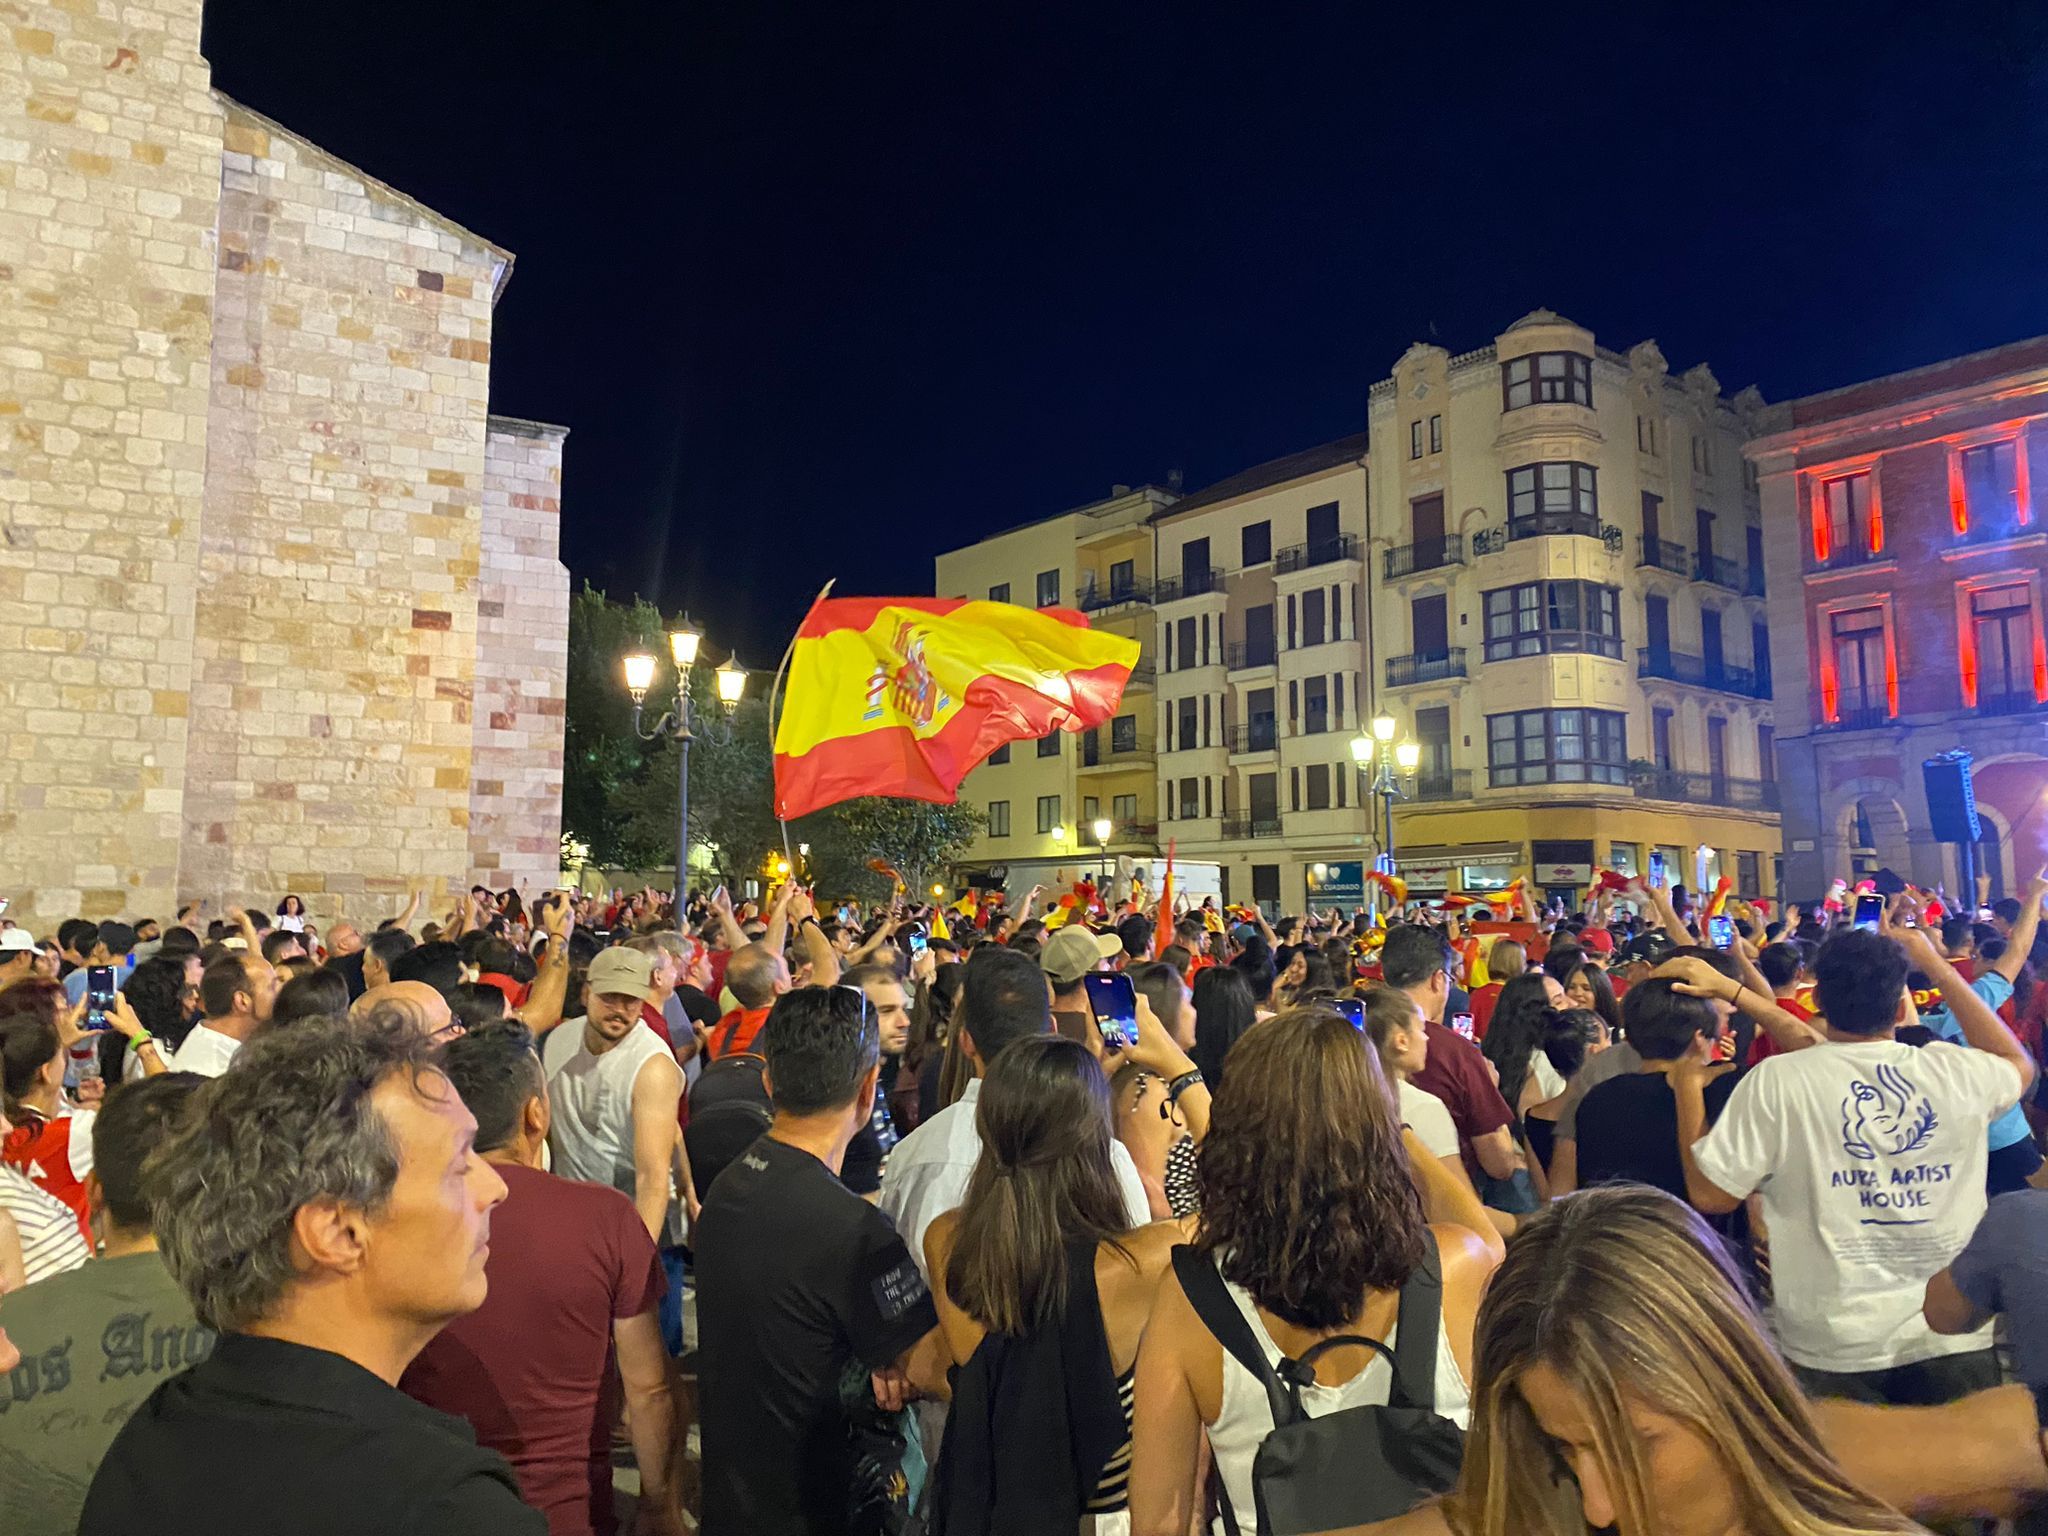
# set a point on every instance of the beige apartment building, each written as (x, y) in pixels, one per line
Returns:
(1568, 614)
(1042, 799)
(1543, 560)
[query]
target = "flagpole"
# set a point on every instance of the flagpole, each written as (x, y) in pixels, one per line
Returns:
(774, 693)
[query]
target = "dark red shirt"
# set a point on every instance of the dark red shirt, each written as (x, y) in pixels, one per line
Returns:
(533, 1369)
(735, 1033)
(1456, 1073)
(1763, 1045)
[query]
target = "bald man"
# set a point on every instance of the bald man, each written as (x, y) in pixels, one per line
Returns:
(343, 939)
(413, 1001)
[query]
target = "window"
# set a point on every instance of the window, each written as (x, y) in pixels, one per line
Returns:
(1001, 754)
(1123, 734)
(999, 818)
(2002, 619)
(1552, 498)
(1315, 706)
(1048, 814)
(1557, 746)
(1660, 738)
(1760, 655)
(1123, 810)
(1767, 753)
(1049, 744)
(1646, 435)
(1312, 612)
(1547, 378)
(1860, 687)
(999, 593)
(1436, 434)
(1415, 438)
(1317, 776)
(1091, 811)
(1189, 657)
(1258, 636)
(1190, 799)
(1048, 588)
(1845, 508)
(1123, 578)
(1991, 493)
(1294, 789)
(1257, 543)
(1188, 738)
(1702, 456)
(1748, 871)
(1552, 616)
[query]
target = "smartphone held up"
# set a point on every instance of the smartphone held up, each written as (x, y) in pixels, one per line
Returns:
(1114, 1001)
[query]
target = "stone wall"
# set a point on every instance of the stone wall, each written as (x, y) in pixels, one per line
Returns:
(522, 658)
(335, 635)
(109, 179)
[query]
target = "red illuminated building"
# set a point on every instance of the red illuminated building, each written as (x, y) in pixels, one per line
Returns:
(1906, 549)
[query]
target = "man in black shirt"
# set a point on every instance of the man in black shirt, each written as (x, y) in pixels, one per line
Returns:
(323, 1209)
(810, 1311)
(1628, 1125)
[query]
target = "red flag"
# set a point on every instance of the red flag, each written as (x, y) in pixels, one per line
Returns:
(1162, 928)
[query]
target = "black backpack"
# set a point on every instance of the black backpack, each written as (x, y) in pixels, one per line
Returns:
(1358, 1465)
(729, 1111)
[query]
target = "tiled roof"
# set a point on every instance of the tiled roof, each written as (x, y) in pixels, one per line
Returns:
(1294, 466)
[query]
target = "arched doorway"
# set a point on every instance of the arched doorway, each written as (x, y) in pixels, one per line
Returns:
(1875, 835)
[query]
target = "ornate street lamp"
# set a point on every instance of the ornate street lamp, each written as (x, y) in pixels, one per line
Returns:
(1379, 760)
(681, 722)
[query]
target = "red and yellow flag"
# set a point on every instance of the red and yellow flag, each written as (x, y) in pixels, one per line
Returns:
(902, 696)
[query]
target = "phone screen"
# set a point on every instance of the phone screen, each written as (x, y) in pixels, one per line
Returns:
(1461, 1023)
(1721, 932)
(1869, 912)
(1114, 1001)
(1657, 870)
(918, 943)
(1352, 1008)
(99, 995)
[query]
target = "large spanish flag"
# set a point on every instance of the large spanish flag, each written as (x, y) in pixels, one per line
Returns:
(903, 695)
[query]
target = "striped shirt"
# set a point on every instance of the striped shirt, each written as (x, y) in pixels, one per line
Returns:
(50, 1240)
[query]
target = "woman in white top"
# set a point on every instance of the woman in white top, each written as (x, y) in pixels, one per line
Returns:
(1315, 1210)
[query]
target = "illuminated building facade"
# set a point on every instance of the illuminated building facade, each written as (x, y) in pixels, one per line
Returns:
(1906, 555)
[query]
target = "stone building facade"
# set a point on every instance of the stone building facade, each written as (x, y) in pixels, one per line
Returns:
(1908, 543)
(280, 606)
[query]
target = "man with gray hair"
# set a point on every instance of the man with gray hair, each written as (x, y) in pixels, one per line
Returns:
(323, 1208)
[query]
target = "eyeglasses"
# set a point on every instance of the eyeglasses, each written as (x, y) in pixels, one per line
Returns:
(859, 992)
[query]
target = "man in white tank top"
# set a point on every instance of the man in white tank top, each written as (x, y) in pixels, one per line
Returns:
(614, 1088)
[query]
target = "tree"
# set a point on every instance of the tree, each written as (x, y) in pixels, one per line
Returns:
(917, 838)
(602, 760)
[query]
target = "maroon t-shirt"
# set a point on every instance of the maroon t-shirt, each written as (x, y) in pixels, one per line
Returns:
(1456, 1073)
(533, 1369)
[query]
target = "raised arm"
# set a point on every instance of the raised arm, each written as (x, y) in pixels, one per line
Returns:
(1695, 978)
(721, 905)
(2021, 944)
(544, 1004)
(811, 934)
(777, 936)
(1980, 1026)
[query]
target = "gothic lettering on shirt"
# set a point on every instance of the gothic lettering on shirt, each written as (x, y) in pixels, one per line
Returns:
(129, 1347)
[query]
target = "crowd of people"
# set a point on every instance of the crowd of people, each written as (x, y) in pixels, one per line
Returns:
(1659, 1216)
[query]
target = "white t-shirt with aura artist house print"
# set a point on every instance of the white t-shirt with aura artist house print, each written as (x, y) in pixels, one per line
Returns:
(1870, 1160)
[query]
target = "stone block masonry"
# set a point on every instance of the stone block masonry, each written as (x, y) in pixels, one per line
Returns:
(274, 592)
(522, 658)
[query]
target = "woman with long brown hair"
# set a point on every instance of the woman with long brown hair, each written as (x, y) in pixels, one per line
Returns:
(1625, 1382)
(1042, 1295)
(1312, 1215)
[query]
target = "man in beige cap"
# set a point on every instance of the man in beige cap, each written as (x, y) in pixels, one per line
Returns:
(614, 1088)
(1067, 959)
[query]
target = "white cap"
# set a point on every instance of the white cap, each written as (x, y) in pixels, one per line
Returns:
(17, 941)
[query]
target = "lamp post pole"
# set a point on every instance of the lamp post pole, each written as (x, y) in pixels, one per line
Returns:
(1378, 759)
(680, 723)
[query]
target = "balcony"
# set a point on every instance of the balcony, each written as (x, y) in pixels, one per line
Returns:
(1259, 736)
(1195, 583)
(1663, 555)
(1451, 784)
(1853, 713)
(1144, 675)
(1096, 755)
(1702, 672)
(1706, 789)
(1842, 556)
(1414, 559)
(1134, 832)
(1241, 656)
(1299, 557)
(2016, 701)
(1241, 827)
(1717, 571)
(1426, 667)
(1094, 599)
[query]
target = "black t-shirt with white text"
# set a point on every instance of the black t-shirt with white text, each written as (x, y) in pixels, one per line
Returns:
(797, 1278)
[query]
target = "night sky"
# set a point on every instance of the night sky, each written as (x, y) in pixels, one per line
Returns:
(824, 289)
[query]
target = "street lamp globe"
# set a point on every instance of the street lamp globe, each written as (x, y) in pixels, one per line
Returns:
(682, 645)
(1408, 755)
(1103, 827)
(732, 683)
(639, 675)
(1362, 749)
(1383, 726)
(1059, 833)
